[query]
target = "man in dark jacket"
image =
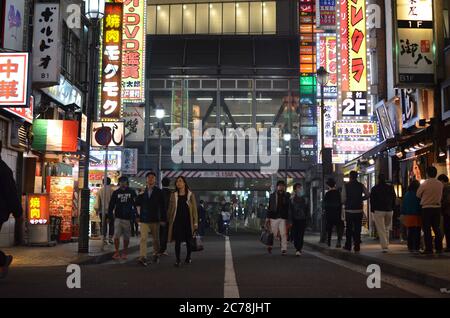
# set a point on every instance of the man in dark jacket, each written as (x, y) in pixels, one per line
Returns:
(163, 229)
(201, 218)
(299, 217)
(332, 204)
(278, 215)
(382, 204)
(123, 206)
(353, 195)
(152, 215)
(9, 203)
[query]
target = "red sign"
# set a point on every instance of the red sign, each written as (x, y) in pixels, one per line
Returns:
(61, 202)
(13, 79)
(343, 33)
(38, 212)
(25, 113)
(112, 62)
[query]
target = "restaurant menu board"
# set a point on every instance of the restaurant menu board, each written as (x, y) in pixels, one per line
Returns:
(92, 199)
(61, 200)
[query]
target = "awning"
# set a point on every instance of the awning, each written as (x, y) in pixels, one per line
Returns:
(222, 174)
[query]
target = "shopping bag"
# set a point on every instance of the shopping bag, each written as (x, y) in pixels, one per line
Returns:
(266, 237)
(196, 243)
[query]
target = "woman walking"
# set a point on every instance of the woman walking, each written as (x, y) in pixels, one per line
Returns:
(411, 216)
(183, 218)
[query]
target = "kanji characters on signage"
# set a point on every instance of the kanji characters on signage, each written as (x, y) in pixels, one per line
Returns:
(13, 79)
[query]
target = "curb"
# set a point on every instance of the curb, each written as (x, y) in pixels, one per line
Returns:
(103, 258)
(390, 268)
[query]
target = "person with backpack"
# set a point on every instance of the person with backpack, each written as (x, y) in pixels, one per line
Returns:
(333, 212)
(298, 216)
(353, 195)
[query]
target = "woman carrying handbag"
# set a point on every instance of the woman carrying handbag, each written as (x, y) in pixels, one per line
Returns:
(183, 219)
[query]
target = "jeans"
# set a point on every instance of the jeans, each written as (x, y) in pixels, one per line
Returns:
(353, 231)
(298, 233)
(414, 238)
(109, 221)
(447, 230)
(163, 237)
(431, 218)
(383, 223)
(339, 229)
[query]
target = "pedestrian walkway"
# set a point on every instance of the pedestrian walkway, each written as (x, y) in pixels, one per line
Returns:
(433, 271)
(63, 254)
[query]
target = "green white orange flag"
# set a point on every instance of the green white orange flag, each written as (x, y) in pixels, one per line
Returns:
(55, 135)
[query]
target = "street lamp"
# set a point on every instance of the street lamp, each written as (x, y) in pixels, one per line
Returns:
(287, 139)
(160, 113)
(322, 79)
(94, 12)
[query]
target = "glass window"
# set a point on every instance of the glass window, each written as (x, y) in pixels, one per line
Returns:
(162, 19)
(269, 17)
(151, 20)
(256, 17)
(175, 19)
(215, 18)
(202, 19)
(238, 106)
(202, 106)
(188, 18)
(229, 18)
(242, 18)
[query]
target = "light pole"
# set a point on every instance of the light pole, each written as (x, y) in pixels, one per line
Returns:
(322, 78)
(287, 139)
(94, 12)
(160, 113)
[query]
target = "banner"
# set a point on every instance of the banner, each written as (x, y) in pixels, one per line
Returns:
(13, 79)
(112, 62)
(415, 42)
(55, 135)
(326, 14)
(327, 56)
(14, 19)
(114, 160)
(357, 46)
(355, 128)
(330, 116)
(130, 161)
(134, 123)
(409, 99)
(46, 44)
(110, 134)
(133, 50)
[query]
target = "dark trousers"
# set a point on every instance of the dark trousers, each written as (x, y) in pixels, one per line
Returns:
(178, 249)
(447, 229)
(109, 221)
(431, 218)
(163, 237)
(2, 255)
(353, 229)
(414, 238)
(134, 227)
(339, 224)
(298, 233)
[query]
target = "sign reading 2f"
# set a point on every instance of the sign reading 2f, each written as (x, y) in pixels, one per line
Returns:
(354, 104)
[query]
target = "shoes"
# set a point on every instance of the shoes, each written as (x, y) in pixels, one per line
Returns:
(124, 255)
(269, 249)
(426, 252)
(298, 253)
(111, 241)
(177, 264)
(5, 269)
(357, 248)
(385, 250)
(163, 254)
(143, 261)
(116, 256)
(188, 261)
(283, 253)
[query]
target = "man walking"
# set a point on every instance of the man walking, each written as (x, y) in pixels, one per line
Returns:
(105, 192)
(152, 214)
(430, 195)
(9, 203)
(278, 215)
(382, 204)
(123, 206)
(163, 229)
(353, 195)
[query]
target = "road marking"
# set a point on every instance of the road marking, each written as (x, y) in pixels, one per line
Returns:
(408, 286)
(231, 289)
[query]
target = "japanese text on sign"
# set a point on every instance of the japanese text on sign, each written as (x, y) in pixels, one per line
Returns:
(112, 62)
(13, 79)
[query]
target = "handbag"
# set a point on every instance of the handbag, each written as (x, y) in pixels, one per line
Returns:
(266, 237)
(196, 243)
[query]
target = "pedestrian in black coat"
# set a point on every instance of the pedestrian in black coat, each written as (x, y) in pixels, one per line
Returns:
(333, 212)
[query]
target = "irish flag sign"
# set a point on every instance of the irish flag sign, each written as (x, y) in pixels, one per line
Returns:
(55, 135)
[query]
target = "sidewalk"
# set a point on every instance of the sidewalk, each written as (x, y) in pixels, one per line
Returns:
(65, 253)
(433, 271)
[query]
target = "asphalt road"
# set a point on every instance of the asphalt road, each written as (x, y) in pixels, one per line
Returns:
(256, 273)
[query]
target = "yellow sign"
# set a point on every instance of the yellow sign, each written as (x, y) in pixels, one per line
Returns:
(357, 45)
